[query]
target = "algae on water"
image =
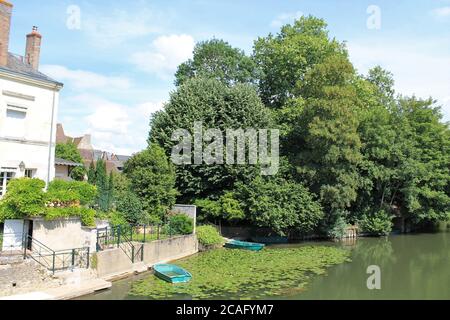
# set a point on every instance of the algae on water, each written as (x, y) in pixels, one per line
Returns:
(240, 274)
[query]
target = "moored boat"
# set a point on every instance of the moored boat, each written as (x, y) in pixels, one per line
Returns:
(172, 273)
(270, 239)
(235, 244)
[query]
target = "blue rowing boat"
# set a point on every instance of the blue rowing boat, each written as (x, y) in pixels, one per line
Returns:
(172, 273)
(235, 244)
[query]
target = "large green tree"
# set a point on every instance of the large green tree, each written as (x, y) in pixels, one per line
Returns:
(405, 147)
(217, 106)
(322, 138)
(102, 184)
(285, 58)
(152, 179)
(216, 59)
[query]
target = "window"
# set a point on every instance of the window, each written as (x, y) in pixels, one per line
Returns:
(5, 177)
(29, 173)
(15, 121)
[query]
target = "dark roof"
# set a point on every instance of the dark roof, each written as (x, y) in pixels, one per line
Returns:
(17, 65)
(63, 162)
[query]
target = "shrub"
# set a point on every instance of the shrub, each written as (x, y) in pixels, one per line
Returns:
(336, 229)
(181, 224)
(86, 215)
(116, 219)
(71, 192)
(209, 236)
(378, 223)
(25, 198)
(281, 205)
(130, 206)
(227, 207)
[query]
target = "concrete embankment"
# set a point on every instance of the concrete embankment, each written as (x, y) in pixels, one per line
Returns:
(112, 264)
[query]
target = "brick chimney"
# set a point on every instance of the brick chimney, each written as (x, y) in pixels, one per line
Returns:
(33, 49)
(5, 25)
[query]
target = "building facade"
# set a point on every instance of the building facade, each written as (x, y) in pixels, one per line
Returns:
(28, 109)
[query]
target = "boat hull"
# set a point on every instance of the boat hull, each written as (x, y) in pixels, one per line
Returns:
(172, 273)
(244, 245)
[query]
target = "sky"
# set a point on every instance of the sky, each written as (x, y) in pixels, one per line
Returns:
(117, 58)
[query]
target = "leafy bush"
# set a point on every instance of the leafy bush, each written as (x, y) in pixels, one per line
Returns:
(209, 236)
(71, 192)
(130, 206)
(116, 219)
(25, 198)
(86, 215)
(227, 207)
(280, 205)
(378, 223)
(336, 229)
(181, 224)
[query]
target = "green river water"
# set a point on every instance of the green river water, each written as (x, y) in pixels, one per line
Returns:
(414, 266)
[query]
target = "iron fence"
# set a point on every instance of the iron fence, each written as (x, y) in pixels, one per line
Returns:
(131, 238)
(55, 260)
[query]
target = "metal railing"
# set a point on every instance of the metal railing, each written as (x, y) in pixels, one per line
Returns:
(55, 260)
(120, 237)
(130, 238)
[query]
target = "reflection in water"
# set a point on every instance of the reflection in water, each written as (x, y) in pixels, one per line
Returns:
(412, 267)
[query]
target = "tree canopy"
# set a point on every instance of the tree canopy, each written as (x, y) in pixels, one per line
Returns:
(216, 59)
(353, 151)
(152, 179)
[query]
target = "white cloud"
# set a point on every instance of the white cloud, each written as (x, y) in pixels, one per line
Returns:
(419, 67)
(441, 12)
(148, 108)
(120, 26)
(114, 127)
(81, 80)
(165, 54)
(284, 18)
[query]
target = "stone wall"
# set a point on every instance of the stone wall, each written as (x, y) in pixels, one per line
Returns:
(114, 261)
(170, 249)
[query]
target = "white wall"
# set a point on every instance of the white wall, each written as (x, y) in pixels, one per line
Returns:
(61, 234)
(33, 147)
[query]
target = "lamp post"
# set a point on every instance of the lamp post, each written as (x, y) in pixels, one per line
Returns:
(22, 166)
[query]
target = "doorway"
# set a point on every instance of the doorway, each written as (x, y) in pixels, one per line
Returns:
(29, 235)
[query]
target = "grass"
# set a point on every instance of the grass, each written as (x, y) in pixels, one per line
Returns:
(240, 274)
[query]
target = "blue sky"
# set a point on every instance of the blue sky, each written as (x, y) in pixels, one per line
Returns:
(117, 64)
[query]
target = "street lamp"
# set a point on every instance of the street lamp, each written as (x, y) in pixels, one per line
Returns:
(22, 166)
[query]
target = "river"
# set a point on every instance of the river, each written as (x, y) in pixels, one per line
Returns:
(414, 266)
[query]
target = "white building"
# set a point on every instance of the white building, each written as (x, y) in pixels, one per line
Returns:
(28, 109)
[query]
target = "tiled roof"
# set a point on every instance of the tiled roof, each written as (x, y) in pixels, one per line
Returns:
(18, 66)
